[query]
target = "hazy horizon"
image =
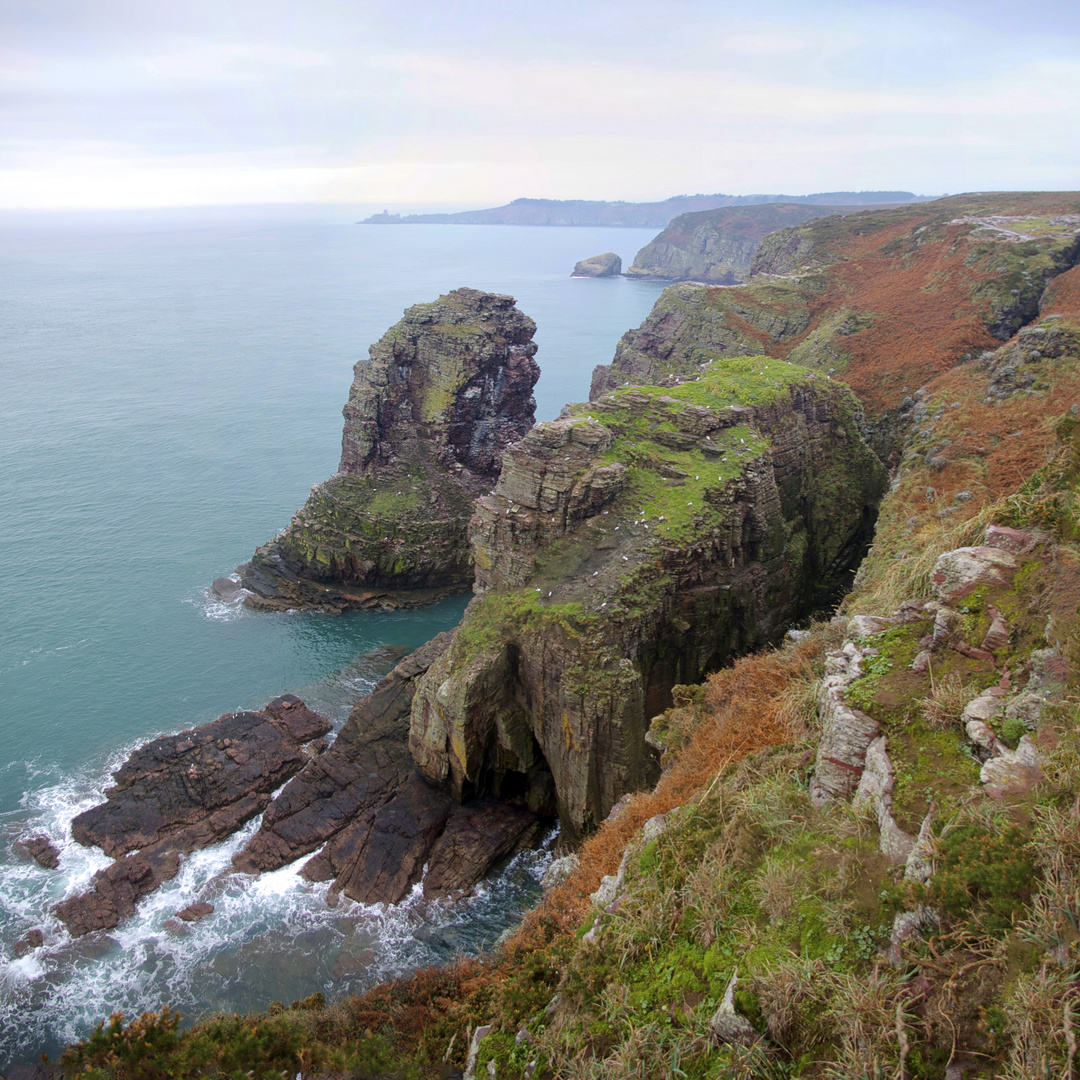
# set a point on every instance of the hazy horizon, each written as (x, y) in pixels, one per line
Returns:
(118, 103)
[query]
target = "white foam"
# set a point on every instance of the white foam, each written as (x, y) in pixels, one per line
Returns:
(270, 936)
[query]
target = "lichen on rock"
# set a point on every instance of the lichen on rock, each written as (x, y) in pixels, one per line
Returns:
(443, 393)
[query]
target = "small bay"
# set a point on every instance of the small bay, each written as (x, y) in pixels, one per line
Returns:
(171, 385)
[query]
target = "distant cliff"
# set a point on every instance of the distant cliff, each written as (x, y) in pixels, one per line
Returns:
(652, 215)
(718, 246)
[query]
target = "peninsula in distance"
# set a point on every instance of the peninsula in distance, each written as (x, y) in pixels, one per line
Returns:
(631, 215)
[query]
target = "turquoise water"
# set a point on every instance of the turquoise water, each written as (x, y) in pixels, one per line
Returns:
(171, 385)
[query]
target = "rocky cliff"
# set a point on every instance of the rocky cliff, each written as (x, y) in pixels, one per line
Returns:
(631, 545)
(861, 857)
(718, 246)
(884, 299)
(442, 394)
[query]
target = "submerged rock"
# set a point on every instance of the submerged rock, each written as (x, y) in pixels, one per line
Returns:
(429, 414)
(607, 265)
(195, 912)
(31, 940)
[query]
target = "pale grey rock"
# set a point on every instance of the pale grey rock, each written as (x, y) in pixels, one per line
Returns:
(729, 1026)
(607, 265)
(875, 791)
(959, 572)
(558, 871)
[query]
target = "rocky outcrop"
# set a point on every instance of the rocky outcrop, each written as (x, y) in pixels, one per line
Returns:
(199, 786)
(180, 793)
(372, 820)
(607, 265)
(628, 546)
(442, 394)
(691, 325)
(717, 246)
(360, 772)
(41, 849)
(949, 279)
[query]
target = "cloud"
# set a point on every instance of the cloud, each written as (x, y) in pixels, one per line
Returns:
(479, 101)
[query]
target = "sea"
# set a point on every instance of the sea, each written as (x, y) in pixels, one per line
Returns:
(171, 385)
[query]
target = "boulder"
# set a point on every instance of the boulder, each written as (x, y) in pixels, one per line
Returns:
(607, 265)
(442, 394)
(958, 573)
(41, 849)
(195, 912)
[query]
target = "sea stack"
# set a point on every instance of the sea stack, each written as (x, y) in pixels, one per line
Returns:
(607, 265)
(443, 393)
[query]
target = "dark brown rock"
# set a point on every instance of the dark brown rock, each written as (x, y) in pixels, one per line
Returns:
(41, 849)
(195, 912)
(475, 838)
(389, 858)
(117, 889)
(199, 786)
(362, 770)
(32, 939)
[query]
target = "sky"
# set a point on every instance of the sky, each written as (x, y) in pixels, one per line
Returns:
(400, 103)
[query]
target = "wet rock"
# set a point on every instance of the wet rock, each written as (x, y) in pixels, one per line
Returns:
(117, 889)
(226, 589)
(195, 912)
(389, 858)
(475, 838)
(31, 940)
(361, 771)
(960, 572)
(41, 850)
(429, 414)
(607, 265)
(199, 786)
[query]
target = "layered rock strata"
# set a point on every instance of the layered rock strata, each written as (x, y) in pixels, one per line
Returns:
(630, 545)
(718, 246)
(373, 820)
(442, 394)
(183, 792)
